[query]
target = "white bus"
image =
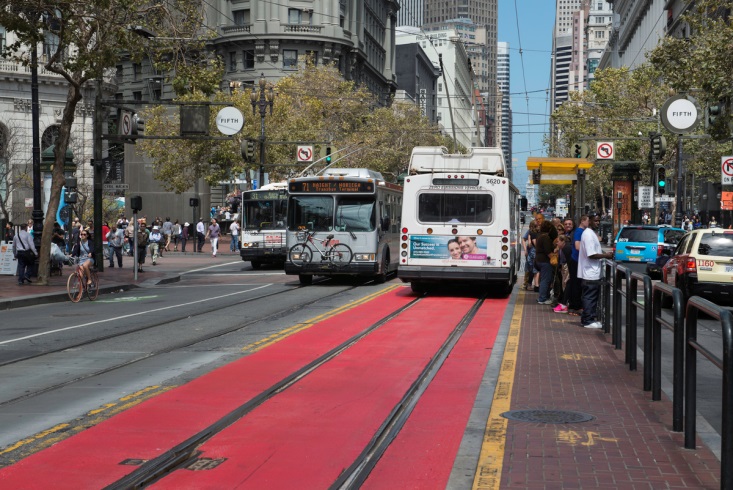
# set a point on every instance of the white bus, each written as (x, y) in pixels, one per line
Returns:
(355, 207)
(263, 214)
(460, 220)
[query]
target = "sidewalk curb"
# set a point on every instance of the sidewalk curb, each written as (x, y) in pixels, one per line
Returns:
(46, 298)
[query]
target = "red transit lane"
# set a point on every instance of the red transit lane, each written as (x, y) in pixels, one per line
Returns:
(93, 458)
(308, 434)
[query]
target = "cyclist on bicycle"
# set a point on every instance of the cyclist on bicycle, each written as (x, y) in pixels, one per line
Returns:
(84, 250)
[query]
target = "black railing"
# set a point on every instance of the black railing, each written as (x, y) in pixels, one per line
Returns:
(692, 348)
(684, 350)
(661, 293)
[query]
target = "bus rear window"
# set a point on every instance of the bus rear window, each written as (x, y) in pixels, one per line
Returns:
(454, 208)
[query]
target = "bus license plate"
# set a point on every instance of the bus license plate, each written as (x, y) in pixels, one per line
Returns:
(729, 268)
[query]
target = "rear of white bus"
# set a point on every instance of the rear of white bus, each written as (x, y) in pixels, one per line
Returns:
(458, 228)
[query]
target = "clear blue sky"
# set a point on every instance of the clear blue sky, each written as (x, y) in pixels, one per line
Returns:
(528, 24)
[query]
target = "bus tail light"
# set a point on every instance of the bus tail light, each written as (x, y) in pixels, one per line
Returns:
(404, 230)
(479, 232)
(505, 232)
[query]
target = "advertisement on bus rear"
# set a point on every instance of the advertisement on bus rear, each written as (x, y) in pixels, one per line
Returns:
(448, 247)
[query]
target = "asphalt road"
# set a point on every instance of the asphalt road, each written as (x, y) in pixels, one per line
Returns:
(66, 361)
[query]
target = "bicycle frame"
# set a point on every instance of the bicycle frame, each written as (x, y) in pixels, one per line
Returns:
(327, 244)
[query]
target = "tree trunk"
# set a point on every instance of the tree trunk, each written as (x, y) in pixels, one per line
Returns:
(73, 96)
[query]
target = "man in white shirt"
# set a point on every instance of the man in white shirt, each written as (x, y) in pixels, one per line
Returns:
(234, 230)
(200, 234)
(589, 271)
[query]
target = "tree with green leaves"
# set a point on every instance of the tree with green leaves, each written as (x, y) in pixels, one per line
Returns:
(314, 105)
(620, 103)
(88, 38)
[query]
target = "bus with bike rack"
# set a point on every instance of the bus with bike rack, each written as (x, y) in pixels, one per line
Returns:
(343, 222)
(263, 218)
(460, 220)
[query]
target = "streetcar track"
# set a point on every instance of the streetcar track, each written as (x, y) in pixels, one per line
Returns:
(182, 454)
(355, 475)
(166, 350)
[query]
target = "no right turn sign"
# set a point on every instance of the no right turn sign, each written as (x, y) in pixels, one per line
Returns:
(726, 170)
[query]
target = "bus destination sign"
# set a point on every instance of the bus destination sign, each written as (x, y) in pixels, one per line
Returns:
(264, 195)
(332, 186)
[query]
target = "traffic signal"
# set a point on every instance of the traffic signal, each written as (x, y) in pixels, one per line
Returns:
(661, 179)
(659, 146)
(193, 202)
(328, 154)
(581, 150)
(70, 195)
(136, 203)
(138, 125)
(536, 177)
(247, 149)
(714, 112)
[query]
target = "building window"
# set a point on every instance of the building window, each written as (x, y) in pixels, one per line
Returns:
(249, 59)
(2, 38)
(295, 16)
(138, 96)
(600, 34)
(137, 72)
(241, 17)
(290, 59)
(119, 73)
(233, 61)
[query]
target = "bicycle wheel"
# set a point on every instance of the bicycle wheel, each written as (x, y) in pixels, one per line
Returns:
(340, 255)
(300, 254)
(74, 287)
(93, 288)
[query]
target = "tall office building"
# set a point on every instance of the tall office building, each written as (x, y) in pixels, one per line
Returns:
(502, 81)
(410, 13)
(564, 37)
(482, 13)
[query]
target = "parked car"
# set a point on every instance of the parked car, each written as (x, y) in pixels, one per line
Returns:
(646, 243)
(702, 265)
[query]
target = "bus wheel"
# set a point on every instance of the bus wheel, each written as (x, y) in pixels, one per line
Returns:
(382, 278)
(418, 287)
(256, 265)
(305, 279)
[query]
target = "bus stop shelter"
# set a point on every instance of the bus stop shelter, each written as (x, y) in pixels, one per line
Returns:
(563, 171)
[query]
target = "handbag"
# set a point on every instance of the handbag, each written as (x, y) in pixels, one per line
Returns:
(553, 259)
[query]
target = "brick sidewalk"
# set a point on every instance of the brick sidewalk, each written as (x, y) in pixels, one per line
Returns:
(628, 444)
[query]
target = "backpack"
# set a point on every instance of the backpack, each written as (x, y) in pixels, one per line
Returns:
(142, 238)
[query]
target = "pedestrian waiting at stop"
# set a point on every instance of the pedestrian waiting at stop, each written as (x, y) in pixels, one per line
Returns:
(115, 240)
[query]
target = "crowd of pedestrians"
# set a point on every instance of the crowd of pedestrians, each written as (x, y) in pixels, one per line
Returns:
(155, 238)
(563, 265)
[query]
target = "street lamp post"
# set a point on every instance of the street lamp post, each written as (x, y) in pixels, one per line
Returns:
(265, 98)
(35, 134)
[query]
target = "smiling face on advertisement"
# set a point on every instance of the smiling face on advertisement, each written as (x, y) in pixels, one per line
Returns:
(454, 248)
(468, 244)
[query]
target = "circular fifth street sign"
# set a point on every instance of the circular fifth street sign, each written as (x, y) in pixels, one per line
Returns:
(681, 114)
(229, 121)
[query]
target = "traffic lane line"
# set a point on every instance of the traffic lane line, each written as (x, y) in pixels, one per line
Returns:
(151, 428)
(308, 434)
(422, 454)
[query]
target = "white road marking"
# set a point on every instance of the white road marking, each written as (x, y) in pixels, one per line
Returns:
(5, 342)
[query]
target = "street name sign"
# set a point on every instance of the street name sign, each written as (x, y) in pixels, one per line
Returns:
(116, 187)
(665, 198)
(229, 121)
(681, 114)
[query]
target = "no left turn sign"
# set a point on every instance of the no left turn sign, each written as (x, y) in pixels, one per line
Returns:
(726, 170)
(305, 154)
(604, 151)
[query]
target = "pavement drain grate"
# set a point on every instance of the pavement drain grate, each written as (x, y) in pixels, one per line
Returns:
(547, 416)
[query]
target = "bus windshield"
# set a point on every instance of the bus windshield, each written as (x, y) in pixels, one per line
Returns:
(454, 208)
(355, 214)
(264, 215)
(311, 212)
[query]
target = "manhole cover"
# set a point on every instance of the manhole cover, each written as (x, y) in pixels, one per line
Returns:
(547, 416)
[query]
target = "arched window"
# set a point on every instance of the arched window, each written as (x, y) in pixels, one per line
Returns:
(50, 135)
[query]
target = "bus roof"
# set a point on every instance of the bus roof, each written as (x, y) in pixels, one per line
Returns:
(426, 159)
(364, 173)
